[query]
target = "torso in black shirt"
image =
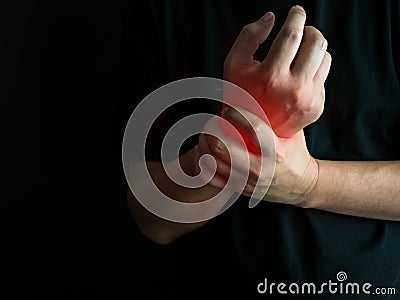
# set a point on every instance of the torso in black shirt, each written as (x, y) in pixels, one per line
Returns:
(361, 121)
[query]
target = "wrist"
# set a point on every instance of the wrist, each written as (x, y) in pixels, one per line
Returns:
(311, 175)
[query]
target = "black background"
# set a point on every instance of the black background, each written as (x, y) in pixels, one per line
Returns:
(65, 229)
(63, 190)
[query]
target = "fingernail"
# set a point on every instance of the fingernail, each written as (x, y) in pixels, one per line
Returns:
(300, 7)
(267, 18)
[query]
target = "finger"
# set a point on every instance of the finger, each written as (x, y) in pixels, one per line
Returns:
(323, 71)
(205, 140)
(196, 158)
(232, 154)
(244, 126)
(248, 190)
(287, 42)
(251, 36)
(242, 160)
(218, 181)
(311, 53)
(212, 145)
(259, 131)
(254, 130)
(209, 144)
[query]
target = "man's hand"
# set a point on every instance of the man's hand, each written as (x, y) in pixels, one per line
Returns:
(295, 171)
(289, 83)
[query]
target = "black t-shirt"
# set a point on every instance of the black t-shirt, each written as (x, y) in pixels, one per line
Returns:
(70, 85)
(361, 121)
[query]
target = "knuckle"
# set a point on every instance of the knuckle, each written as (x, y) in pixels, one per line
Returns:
(308, 108)
(319, 108)
(272, 81)
(292, 33)
(319, 112)
(320, 41)
(311, 108)
(316, 37)
(304, 104)
(297, 94)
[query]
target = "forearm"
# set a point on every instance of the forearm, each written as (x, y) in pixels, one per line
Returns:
(160, 230)
(156, 229)
(364, 189)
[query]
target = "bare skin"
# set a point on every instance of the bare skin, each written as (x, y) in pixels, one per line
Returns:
(290, 89)
(360, 188)
(293, 89)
